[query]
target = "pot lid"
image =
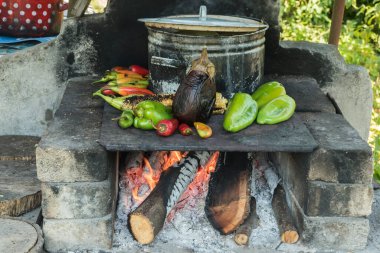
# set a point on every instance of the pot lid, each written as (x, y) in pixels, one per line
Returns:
(204, 22)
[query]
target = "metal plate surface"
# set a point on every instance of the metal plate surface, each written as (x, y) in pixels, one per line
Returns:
(288, 136)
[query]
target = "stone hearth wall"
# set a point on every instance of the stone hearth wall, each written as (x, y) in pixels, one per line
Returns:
(329, 190)
(78, 176)
(33, 81)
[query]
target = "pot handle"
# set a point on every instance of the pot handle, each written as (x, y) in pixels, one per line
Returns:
(166, 62)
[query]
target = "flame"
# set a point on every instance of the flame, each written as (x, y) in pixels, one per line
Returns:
(174, 157)
(150, 177)
(198, 187)
(142, 180)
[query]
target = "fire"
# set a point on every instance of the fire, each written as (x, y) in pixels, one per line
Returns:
(142, 180)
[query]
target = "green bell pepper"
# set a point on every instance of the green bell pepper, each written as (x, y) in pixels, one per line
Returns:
(148, 113)
(267, 92)
(126, 119)
(241, 112)
(277, 110)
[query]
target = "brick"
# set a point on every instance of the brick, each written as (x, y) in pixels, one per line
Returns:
(329, 233)
(317, 198)
(342, 155)
(77, 200)
(293, 176)
(330, 199)
(62, 235)
(69, 151)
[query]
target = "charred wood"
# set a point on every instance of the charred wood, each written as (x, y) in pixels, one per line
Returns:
(288, 231)
(228, 198)
(244, 231)
(148, 219)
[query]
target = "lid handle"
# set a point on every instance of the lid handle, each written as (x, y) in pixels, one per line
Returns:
(203, 13)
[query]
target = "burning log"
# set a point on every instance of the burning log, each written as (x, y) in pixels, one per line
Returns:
(134, 160)
(228, 199)
(244, 231)
(288, 231)
(148, 219)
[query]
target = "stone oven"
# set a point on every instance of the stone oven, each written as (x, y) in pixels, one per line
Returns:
(327, 184)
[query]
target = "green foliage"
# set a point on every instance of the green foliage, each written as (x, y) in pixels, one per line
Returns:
(309, 20)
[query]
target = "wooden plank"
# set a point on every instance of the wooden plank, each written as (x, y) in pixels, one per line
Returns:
(19, 187)
(289, 136)
(15, 147)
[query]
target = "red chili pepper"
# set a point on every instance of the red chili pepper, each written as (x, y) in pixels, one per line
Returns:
(203, 130)
(166, 127)
(108, 92)
(139, 70)
(127, 90)
(185, 130)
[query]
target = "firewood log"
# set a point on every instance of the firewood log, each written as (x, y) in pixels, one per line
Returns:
(148, 219)
(288, 231)
(228, 198)
(244, 231)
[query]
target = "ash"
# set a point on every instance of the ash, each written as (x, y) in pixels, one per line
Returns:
(264, 181)
(189, 229)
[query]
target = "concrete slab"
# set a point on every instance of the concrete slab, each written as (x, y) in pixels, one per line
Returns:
(20, 236)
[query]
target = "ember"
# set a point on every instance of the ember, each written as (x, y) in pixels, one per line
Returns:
(143, 176)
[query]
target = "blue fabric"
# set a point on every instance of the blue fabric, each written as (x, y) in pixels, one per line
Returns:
(8, 39)
(10, 45)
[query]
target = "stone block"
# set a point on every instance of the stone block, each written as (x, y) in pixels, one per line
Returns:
(342, 155)
(62, 235)
(71, 165)
(317, 198)
(69, 151)
(329, 233)
(77, 200)
(330, 199)
(348, 85)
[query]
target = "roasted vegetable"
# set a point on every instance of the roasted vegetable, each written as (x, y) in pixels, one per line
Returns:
(128, 90)
(117, 103)
(195, 96)
(139, 70)
(149, 113)
(277, 110)
(185, 129)
(203, 130)
(167, 99)
(126, 119)
(166, 127)
(241, 112)
(267, 92)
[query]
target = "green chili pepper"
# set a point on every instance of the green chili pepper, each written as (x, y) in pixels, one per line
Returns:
(148, 113)
(126, 119)
(116, 102)
(241, 112)
(277, 110)
(267, 92)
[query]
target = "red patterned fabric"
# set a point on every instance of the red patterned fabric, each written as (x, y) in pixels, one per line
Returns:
(31, 17)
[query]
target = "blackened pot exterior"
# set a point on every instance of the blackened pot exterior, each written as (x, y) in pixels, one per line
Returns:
(238, 59)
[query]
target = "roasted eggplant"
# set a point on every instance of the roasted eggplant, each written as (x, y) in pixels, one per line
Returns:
(195, 96)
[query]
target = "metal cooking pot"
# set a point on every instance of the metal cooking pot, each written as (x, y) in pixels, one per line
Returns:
(234, 45)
